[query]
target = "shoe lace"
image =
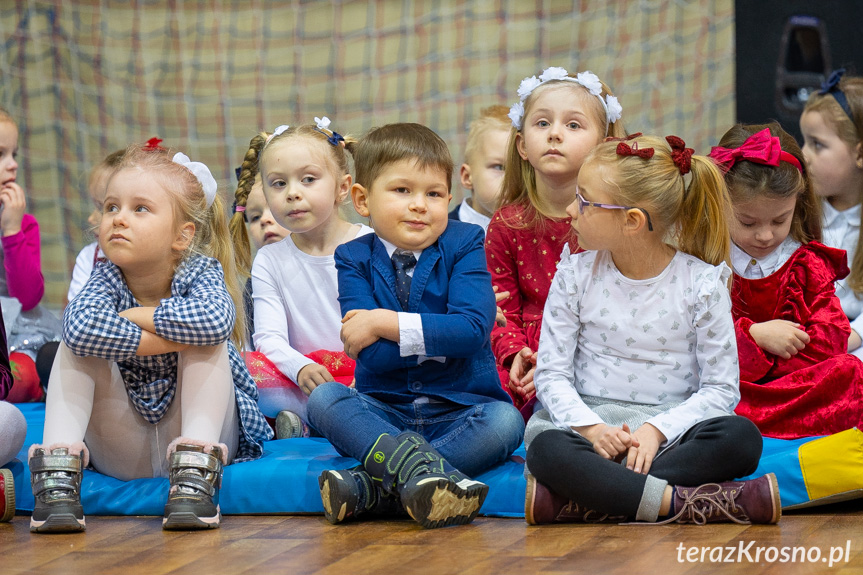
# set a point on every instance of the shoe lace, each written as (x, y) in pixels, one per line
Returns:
(572, 509)
(706, 501)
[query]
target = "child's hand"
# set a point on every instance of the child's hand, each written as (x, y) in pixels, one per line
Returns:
(646, 442)
(500, 319)
(363, 327)
(854, 341)
(609, 442)
(521, 372)
(14, 205)
(779, 337)
(311, 376)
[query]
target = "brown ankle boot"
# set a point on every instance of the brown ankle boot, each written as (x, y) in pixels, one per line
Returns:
(744, 502)
(542, 505)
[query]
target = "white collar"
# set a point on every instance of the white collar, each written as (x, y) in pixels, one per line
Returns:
(748, 267)
(467, 213)
(391, 249)
(831, 214)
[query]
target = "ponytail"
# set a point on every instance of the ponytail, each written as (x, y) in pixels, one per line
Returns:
(705, 213)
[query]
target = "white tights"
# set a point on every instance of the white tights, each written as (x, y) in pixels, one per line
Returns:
(87, 401)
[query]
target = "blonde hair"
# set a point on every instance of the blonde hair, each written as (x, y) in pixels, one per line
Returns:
(519, 180)
(392, 143)
(693, 217)
(336, 153)
(5, 116)
(249, 171)
(211, 237)
(851, 132)
(108, 164)
(491, 118)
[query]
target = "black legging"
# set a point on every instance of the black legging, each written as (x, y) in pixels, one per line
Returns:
(719, 449)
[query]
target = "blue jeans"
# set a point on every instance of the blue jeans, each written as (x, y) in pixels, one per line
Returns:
(471, 438)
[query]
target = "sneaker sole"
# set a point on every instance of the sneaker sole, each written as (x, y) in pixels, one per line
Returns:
(58, 523)
(187, 520)
(529, 496)
(334, 495)
(288, 427)
(438, 502)
(8, 495)
(777, 502)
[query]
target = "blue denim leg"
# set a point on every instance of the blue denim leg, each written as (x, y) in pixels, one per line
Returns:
(350, 420)
(472, 438)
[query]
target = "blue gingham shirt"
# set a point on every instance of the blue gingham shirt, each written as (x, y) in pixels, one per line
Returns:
(199, 312)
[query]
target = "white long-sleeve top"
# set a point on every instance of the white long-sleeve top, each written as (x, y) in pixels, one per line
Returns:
(668, 339)
(84, 264)
(841, 230)
(296, 299)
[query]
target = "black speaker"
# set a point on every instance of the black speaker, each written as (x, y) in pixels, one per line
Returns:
(786, 48)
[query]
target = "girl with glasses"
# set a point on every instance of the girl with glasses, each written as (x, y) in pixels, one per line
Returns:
(637, 362)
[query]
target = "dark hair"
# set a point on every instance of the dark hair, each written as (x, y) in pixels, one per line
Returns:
(392, 143)
(748, 180)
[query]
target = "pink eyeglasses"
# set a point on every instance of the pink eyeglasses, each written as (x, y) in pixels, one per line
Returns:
(582, 203)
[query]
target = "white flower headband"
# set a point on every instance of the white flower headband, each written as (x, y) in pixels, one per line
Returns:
(588, 80)
(201, 173)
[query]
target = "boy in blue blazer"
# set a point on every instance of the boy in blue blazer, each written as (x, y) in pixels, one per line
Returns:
(427, 411)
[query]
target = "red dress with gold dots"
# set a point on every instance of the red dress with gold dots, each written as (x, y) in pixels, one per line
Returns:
(522, 261)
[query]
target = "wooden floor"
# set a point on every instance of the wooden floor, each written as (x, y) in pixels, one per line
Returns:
(296, 545)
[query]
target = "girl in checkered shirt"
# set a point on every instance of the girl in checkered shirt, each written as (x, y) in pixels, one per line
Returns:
(148, 364)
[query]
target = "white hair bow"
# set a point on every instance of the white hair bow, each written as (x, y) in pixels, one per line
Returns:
(201, 173)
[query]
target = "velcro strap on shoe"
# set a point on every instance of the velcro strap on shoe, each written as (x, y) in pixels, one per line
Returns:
(194, 482)
(195, 460)
(54, 484)
(67, 463)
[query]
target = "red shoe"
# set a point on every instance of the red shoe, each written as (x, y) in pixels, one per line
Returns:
(26, 388)
(7, 502)
(744, 502)
(542, 506)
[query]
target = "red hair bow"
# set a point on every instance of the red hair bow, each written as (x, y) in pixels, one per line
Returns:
(153, 144)
(624, 149)
(680, 154)
(760, 148)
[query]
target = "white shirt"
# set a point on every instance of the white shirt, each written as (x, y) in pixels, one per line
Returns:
(296, 304)
(753, 268)
(82, 270)
(665, 339)
(411, 339)
(466, 213)
(841, 230)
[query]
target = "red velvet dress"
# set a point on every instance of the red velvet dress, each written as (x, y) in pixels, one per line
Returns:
(522, 262)
(818, 391)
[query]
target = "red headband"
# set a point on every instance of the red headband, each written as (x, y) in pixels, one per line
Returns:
(760, 148)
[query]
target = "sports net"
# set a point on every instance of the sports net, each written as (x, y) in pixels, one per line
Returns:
(89, 77)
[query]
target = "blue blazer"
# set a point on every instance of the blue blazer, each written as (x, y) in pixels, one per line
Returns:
(451, 290)
(453, 215)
